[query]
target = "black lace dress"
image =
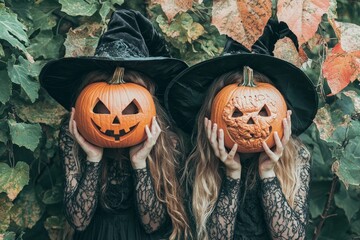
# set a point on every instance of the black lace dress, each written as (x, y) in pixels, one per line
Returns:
(129, 210)
(261, 212)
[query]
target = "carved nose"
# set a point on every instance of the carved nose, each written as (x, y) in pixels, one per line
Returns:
(251, 121)
(116, 120)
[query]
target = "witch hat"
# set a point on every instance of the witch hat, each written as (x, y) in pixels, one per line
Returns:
(186, 93)
(130, 42)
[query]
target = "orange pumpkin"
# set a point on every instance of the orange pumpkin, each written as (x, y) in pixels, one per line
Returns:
(114, 115)
(249, 113)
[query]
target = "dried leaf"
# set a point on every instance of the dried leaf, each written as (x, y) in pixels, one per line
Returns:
(285, 49)
(5, 207)
(27, 210)
(322, 120)
(348, 35)
(171, 8)
(12, 180)
(242, 20)
(340, 68)
(83, 40)
(302, 16)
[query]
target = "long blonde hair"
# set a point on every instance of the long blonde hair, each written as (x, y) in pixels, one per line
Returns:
(163, 159)
(204, 172)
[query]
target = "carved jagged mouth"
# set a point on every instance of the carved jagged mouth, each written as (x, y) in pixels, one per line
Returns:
(111, 133)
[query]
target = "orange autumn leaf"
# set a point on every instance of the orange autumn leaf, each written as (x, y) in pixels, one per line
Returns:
(285, 49)
(348, 35)
(302, 16)
(242, 20)
(340, 68)
(173, 7)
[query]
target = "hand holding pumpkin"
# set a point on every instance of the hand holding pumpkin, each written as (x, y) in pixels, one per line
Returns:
(268, 159)
(93, 153)
(230, 159)
(140, 152)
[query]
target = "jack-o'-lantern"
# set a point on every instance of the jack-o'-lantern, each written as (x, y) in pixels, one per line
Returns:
(249, 113)
(114, 114)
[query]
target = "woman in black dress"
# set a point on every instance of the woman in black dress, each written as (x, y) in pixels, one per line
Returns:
(129, 193)
(246, 196)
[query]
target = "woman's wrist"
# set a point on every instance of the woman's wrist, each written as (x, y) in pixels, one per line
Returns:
(234, 174)
(138, 164)
(94, 159)
(267, 174)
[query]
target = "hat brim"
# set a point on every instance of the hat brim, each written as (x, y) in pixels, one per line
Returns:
(61, 78)
(185, 94)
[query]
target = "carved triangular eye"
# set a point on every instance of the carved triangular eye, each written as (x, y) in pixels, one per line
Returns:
(131, 109)
(100, 108)
(237, 113)
(264, 111)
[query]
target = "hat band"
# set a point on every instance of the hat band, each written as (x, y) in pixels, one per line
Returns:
(119, 49)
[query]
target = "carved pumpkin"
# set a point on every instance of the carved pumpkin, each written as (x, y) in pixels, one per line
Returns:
(249, 113)
(114, 115)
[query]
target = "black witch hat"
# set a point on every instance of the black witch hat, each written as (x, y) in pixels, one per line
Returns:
(130, 42)
(186, 93)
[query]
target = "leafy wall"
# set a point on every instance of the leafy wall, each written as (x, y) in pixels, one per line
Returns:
(33, 32)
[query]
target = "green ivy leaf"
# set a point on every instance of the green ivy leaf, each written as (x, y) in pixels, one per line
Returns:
(344, 200)
(5, 86)
(45, 45)
(4, 132)
(319, 192)
(54, 225)
(46, 111)
(21, 74)
(2, 53)
(79, 7)
(355, 226)
(348, 167)
(9, 236)
(104, 10)
(5, 207)
(12, 180)
(82, 41)
(119, 2)
(11, 30)
(53, 195)
(27, 210)
(25, 135)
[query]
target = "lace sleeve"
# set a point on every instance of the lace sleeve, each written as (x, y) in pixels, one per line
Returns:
(152, 212)
(285, 222)
(81, 185)
(222, 221)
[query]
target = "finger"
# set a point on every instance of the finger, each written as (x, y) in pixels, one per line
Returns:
(222, 151)
(232, 152)
(279, 146)
(289, 119)
(80, 140)
(148, 132)
(153, 125)
(287, 132)
(213, 137)
(208, 128)
(268, 151)
(71, 121)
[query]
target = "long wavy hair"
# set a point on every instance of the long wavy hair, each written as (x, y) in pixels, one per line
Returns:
(163, 159)
(204, 172)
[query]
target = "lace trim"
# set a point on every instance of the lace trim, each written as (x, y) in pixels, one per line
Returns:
(222, 220)
(152, 212)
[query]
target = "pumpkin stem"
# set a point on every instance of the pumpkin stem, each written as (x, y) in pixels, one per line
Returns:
(248, 77)
(118, 76)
